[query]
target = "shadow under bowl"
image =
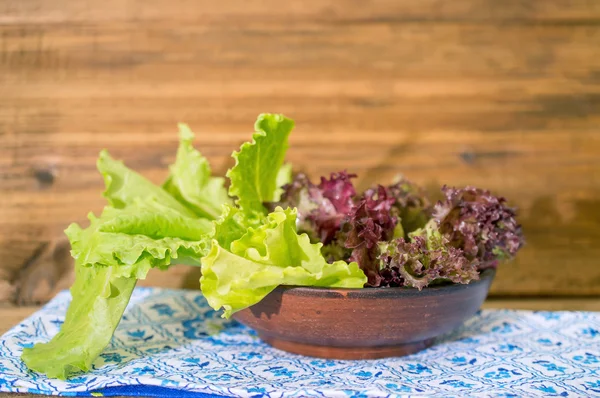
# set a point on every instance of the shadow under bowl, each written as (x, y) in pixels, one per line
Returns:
(364, 323)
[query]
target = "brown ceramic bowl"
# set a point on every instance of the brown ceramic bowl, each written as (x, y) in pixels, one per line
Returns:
(362, 323)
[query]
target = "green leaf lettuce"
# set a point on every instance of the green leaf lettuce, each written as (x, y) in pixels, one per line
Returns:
(115, 251)
(244, 252)
(144, 227)
(190, 180)
(256, 173)
(124, 185)
(100, 295)
(238, 276)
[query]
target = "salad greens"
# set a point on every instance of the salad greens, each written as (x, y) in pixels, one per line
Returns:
(247, 269)
(397, 238)
(142, 228)
(425, 259)
(480, 224)
(268, 228)
(256, 173)
(190, 180)
(244, 251)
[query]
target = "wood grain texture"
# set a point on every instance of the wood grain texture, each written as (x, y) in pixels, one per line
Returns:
(502, 95)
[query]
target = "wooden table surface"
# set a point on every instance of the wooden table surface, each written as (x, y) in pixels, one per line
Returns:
(11, 316)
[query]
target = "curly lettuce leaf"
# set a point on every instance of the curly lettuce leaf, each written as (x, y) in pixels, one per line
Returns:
(116, 250)
(413, 207)
(426, 259)
(145, 227)
(482, 225)
(256, 174)
(238, 276)
(146, 230)
(321, 208)
(232, 225)
(190, 180)
(370, 222)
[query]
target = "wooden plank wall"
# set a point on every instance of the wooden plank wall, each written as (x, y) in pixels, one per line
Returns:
(498, 94)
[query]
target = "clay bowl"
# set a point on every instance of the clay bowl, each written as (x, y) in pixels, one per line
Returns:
(362, 323)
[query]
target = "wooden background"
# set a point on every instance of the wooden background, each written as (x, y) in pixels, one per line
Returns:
(499, 94)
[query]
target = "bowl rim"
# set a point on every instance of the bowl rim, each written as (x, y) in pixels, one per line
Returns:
(485, 276)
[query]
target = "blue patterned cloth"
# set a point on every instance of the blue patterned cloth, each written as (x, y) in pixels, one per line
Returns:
(170, 343)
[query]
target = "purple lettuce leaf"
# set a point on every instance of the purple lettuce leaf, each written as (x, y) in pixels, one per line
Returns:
(389, 231)
(426, 259)
(339, 190)
(480, 224)
(321, 208)
(413, 207)
(371, 222)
